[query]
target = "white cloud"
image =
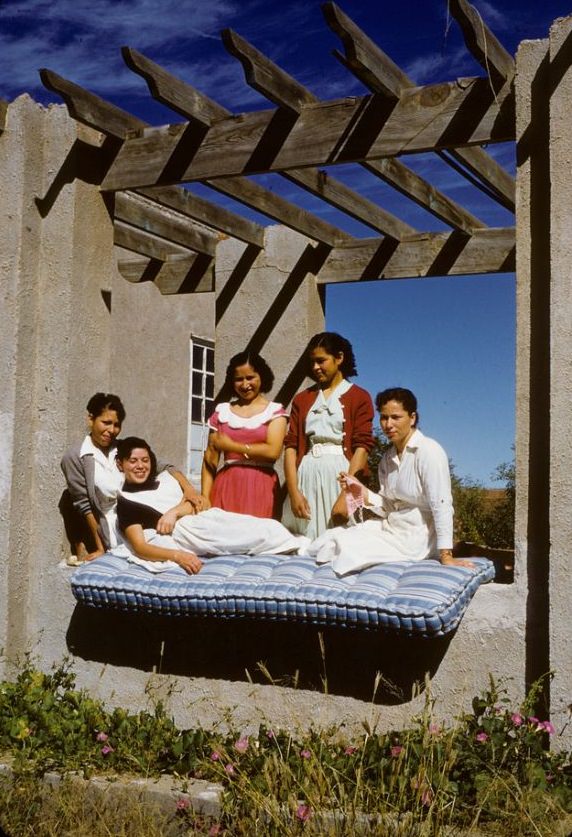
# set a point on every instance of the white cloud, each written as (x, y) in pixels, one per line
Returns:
(440, 66)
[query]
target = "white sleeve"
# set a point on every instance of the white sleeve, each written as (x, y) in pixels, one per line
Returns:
(433, 469)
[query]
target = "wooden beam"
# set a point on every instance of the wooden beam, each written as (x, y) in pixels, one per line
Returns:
(89, 109)
(280, 88)
(380, 74)
(364, 58)
(177, 275)
(184, 98)
(150, 217)
(145, 244)
(425, 254)
(329, 133)
(483, 45)
(171, 91)
(191, 205)
(3, 114)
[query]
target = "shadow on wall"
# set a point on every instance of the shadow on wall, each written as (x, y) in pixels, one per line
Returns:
(341, 662)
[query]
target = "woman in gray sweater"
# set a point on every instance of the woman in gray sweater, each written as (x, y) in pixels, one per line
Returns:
(93, 478)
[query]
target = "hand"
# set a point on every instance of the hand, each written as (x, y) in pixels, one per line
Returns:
(199, 503)
(446, 557)
(300, 506)
(166, 522)
(188, 561)
(340, 511)
(220, 441)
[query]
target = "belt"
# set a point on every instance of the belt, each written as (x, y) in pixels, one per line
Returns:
(249, 463)
(324, 448)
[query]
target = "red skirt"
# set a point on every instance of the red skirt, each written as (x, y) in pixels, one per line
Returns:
(246, 489)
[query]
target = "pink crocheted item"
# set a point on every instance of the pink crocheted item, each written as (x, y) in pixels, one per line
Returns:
(354, 492)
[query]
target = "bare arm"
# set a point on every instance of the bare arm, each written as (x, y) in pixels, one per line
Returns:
(209, 468)
(136, 539)
(99, 547)
(267, 451)
(298, 503)
(197, 501)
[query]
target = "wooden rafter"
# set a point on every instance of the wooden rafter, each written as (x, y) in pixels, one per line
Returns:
(146, 244)
(3, 113)
(148, 216)
(425, 254)
(483, 44)
(328, 133)
(275, 84)
(179, 274)
(89, 109)
(182, 97)
(279, 87)
(381, 75)
(187, 203)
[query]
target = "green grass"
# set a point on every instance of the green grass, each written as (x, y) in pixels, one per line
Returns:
(489, 773)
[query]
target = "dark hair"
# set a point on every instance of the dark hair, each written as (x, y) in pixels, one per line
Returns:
(334, 344)
(403, 396)
(102, 401)
(258, 364)
(125, 448)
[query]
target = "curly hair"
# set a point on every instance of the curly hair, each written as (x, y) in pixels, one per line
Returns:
(403, 396)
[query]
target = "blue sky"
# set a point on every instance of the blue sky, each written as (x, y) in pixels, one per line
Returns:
(451, 340)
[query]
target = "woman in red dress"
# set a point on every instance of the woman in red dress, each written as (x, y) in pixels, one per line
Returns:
(249, 432)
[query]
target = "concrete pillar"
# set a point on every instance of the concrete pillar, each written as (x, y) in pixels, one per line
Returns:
(560, 453)
(55, 258)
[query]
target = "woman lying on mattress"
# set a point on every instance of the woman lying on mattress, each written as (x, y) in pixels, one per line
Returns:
(159, 524)
(412, 516)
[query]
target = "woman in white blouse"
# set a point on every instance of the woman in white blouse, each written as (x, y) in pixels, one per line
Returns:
(413, 512)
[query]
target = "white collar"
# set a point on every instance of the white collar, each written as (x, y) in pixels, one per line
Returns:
(227, 416)
(89, 449)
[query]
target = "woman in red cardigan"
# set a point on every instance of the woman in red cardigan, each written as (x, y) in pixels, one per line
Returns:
(330, 431)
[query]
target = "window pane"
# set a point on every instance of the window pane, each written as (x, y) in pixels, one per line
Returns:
(196, 410)
(210, 360)
(209, 388)
(197, 384)
(198, 352)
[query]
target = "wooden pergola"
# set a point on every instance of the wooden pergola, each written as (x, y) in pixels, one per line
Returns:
(172, 232)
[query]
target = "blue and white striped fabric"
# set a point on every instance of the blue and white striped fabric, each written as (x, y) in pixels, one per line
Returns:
(412, 598)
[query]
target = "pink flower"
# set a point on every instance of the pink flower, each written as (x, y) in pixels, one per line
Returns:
(396, 750)
(101, 736)
(229, 769)
(306, 754)
(434, 729)
(533, 720)
(215, 756)
(183, 804)
(270, 734)
(106, 749)
(350, 750)
(303, 812)
(517, 719)
(547, 727)
(482, 737)
(215, 829)
(241, 745)
(427, 797)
